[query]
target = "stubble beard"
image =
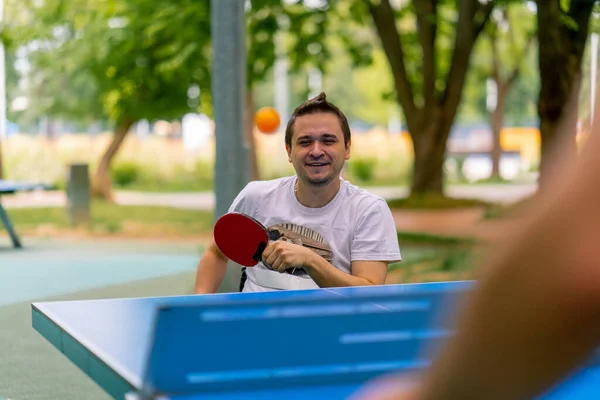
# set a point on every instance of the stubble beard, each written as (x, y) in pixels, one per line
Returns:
(319, 182)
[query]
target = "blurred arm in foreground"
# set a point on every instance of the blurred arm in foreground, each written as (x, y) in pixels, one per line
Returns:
(534, 315)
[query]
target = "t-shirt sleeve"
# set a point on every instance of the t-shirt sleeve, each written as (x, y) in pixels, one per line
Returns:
(243, 202)
(375, 236)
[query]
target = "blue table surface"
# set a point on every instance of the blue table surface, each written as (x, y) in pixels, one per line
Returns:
(583, 385)
(118, 332)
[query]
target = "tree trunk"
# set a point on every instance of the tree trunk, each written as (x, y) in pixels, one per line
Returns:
(429, 123)
(558, 136)
(429, 147)
(249, 131)
(560, 53)
(101, 184)
(497, 124)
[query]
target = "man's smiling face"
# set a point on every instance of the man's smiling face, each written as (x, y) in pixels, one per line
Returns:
(318, 151)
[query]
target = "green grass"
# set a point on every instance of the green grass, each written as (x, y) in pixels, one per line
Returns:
(499, 211)
(374, 183)
(491, 180)
(434, 202)
(448, 251)
(427, 238)
(507, 211)
(168, 186)
(429, 258)
(426, 257)
(204, 185)
(111, 218)
(431, 263)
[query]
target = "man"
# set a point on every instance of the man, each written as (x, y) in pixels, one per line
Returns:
(534, 315)
(352, 234)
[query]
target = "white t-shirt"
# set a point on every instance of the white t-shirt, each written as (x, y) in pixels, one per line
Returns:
(355, 225)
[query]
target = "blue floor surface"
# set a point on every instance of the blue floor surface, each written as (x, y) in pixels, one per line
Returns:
(46, 268)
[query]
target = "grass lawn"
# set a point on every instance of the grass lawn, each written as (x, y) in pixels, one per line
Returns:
(112, 218)
(168, 186)
(434, 202)
(426, 257)
(432, 258)
(509, 211)
(181, 185)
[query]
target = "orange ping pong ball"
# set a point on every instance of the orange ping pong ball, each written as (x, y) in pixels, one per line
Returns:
(267, 120)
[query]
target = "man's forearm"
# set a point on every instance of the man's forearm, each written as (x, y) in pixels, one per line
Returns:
(326, 275)
(210, 274)
(523, 329)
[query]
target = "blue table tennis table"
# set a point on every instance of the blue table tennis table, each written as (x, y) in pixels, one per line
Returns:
(317, 344)
(10, 187)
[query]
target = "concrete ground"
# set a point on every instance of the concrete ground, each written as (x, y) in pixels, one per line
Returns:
(30, 367)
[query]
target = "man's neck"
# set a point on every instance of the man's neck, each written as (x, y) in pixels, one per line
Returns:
(316, 196)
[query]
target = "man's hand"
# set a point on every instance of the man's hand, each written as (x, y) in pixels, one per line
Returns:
(281, 255)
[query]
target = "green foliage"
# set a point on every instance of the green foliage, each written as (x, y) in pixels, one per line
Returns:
(434, 261)
(351, 24)
(263, 24)
(135, 176)
(12, 10)
(362, 168)
(137, 59)
(125, 173)
(371, 83)
(132, 59)
(456, 260)
(203, 170)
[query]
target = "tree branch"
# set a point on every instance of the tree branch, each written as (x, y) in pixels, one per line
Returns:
(483, 12)
(512, 77)
(426, 11)
(385, 23)
(467, 31)
(580, 11)
(517, 70)
(493, 36)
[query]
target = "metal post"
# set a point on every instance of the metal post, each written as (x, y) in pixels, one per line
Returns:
(228, 31)
(9, 228)
(78, 194)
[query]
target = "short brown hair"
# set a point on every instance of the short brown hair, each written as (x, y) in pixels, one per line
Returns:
(318, 104)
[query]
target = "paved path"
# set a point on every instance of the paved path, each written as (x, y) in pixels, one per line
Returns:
(205, 200)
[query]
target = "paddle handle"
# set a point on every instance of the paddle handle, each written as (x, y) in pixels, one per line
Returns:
(273, 235)
(258, 254)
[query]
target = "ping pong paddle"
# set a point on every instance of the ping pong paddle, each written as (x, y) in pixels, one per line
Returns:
(242, 238)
